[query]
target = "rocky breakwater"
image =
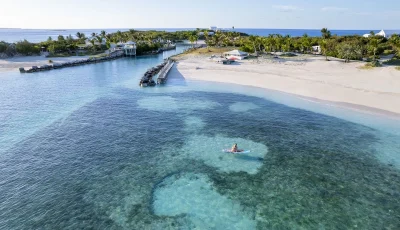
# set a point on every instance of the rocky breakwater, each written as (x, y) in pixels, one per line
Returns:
(92, 60)
(147, 79)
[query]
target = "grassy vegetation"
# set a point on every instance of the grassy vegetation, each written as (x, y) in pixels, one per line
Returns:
(398, 68)
(371, 65)
(211, 50)
(26, 48)
(208, 51)
(366, 67)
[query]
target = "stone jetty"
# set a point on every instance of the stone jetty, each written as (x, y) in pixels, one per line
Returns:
(112, 56)
(147, 79)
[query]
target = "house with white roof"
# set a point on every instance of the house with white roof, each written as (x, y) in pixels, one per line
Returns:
(381, 33)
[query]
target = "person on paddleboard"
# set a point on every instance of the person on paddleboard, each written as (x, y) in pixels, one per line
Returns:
(235, 149)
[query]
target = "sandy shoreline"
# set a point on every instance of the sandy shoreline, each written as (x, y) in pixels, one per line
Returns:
(343, 84)
(311, 77)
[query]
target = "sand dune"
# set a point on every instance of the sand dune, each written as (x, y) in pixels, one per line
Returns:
(308, 76)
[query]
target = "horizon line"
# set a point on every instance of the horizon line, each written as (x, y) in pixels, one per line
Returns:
(257, 28)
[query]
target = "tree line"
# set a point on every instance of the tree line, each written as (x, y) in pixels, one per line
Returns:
(345, 47)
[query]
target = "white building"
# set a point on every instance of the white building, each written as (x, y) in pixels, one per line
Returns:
(316, 49)
(381, 33)
(130, 48)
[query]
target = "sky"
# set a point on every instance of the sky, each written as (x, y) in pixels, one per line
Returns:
(283, 14)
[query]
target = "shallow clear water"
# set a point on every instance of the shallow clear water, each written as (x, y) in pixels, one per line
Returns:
(85, 147)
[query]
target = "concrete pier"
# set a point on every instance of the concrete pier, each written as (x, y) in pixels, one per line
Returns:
(162, 77)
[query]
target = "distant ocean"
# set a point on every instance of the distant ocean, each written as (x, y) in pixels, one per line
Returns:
(37, 35)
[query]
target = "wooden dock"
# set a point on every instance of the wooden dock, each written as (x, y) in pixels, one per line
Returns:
(163, 75)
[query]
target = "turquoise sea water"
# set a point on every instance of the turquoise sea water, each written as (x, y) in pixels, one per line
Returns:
(86, 148)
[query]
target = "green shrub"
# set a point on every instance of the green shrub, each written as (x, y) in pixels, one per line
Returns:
(388, 52)
(26, 48)
(3, 47)
(398, 68)
(349, 51)
(144, 47)
(247, 48)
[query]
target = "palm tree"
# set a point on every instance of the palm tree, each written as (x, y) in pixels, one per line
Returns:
(260, 43)
(226, 41)
(103, 33)
(278, 42)
(206, 36)
(287, 44)
(217, 38)
(82, 38)
(119, 35)
(305, 43)
(93, 35)
(99, 40)
(373, 45)
(253, 40)
(267, 44)
(326, 35)
(93, 44)
(192, 39)
(324, 48)
(395, 42)
(79, 35)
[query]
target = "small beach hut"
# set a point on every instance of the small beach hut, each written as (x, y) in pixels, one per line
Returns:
(237, 54)
(130, 48)
(316, 49)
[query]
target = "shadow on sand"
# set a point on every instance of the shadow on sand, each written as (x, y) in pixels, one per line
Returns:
(175, 77)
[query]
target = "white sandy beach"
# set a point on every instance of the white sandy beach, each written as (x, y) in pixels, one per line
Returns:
(12, 64)
(308, 76)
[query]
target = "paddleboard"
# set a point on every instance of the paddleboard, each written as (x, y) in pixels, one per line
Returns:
(229, 151)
